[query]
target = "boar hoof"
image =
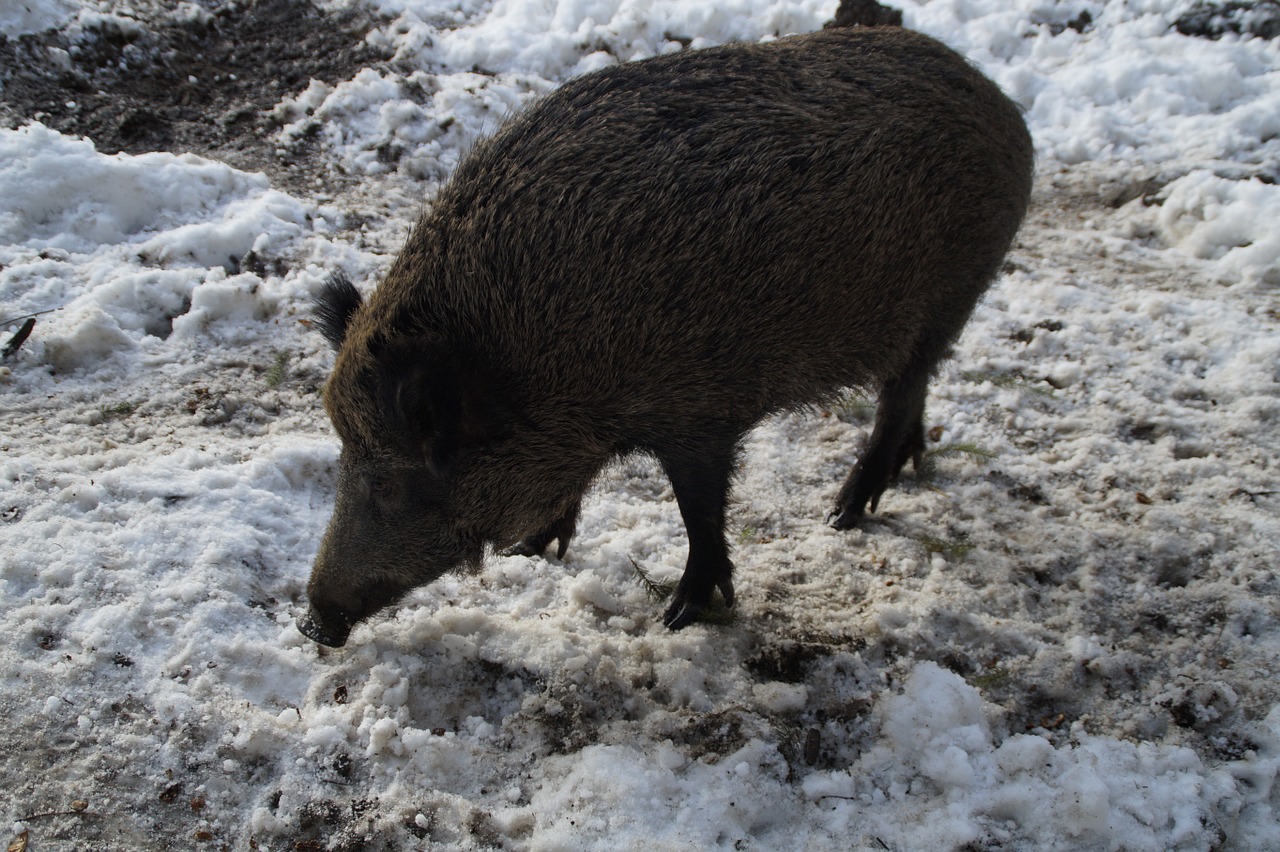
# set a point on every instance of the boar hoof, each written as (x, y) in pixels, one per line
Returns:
(535, 545)
(844, 519)
(524, 548)
(686, 608)
(850, 515)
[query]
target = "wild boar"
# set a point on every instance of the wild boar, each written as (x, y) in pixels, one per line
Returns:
(652, 259)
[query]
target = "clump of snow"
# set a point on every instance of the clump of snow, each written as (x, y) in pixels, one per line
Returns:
(63, 195)
(1124, 85)
(1078, 794)
(565, 39)
(19, 18)
(1228, 222)
(417, 124)
(158, 237)
(90, 21)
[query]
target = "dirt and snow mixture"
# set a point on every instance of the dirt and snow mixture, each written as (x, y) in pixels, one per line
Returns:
(1063, 633)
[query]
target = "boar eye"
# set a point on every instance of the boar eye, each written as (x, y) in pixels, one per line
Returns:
(379, 486)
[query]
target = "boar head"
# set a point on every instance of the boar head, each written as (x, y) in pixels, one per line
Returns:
(409, 424)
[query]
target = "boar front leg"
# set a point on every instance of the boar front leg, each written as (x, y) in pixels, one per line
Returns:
(898, 437)
(701, 485)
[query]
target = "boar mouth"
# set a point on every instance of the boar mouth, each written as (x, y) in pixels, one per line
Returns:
(331, 635)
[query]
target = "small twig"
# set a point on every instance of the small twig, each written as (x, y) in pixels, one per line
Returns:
(1221, 633)
(1006, 381)
(944, 450)
(1252, 494)
(59, 813)
(28, 316)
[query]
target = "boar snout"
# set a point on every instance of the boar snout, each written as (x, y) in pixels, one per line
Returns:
(330, 630)
(332, 613)
(386, 538)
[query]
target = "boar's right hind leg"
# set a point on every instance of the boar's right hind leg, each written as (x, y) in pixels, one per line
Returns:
(897, 437)
(561, 531)
(701, 485)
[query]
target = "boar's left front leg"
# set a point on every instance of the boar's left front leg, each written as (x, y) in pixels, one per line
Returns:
(701, 485)
(562, 530)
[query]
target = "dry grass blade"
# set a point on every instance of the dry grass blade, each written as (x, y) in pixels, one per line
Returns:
(952, 549)
(973, 450)
(1008, 381)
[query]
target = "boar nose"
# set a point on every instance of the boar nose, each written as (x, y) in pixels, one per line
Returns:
(316, 628)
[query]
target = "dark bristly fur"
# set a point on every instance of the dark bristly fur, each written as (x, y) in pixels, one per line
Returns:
(652, 259)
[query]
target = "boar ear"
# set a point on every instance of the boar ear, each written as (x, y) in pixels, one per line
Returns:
(336, 302)
(443, 409)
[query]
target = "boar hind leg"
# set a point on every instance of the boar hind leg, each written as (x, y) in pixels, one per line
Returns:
(701, 485)
(561, 531)
(897, 437)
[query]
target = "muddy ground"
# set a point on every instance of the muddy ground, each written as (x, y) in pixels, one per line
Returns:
(200, 83)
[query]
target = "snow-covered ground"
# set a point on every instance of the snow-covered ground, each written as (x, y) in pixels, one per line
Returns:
(1065, 635)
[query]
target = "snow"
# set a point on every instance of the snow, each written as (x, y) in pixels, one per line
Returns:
(18, 18)
(1070, 644)
(1226, 221)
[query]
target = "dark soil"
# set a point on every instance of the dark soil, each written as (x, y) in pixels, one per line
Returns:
(202, 86)
(1213, 20)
